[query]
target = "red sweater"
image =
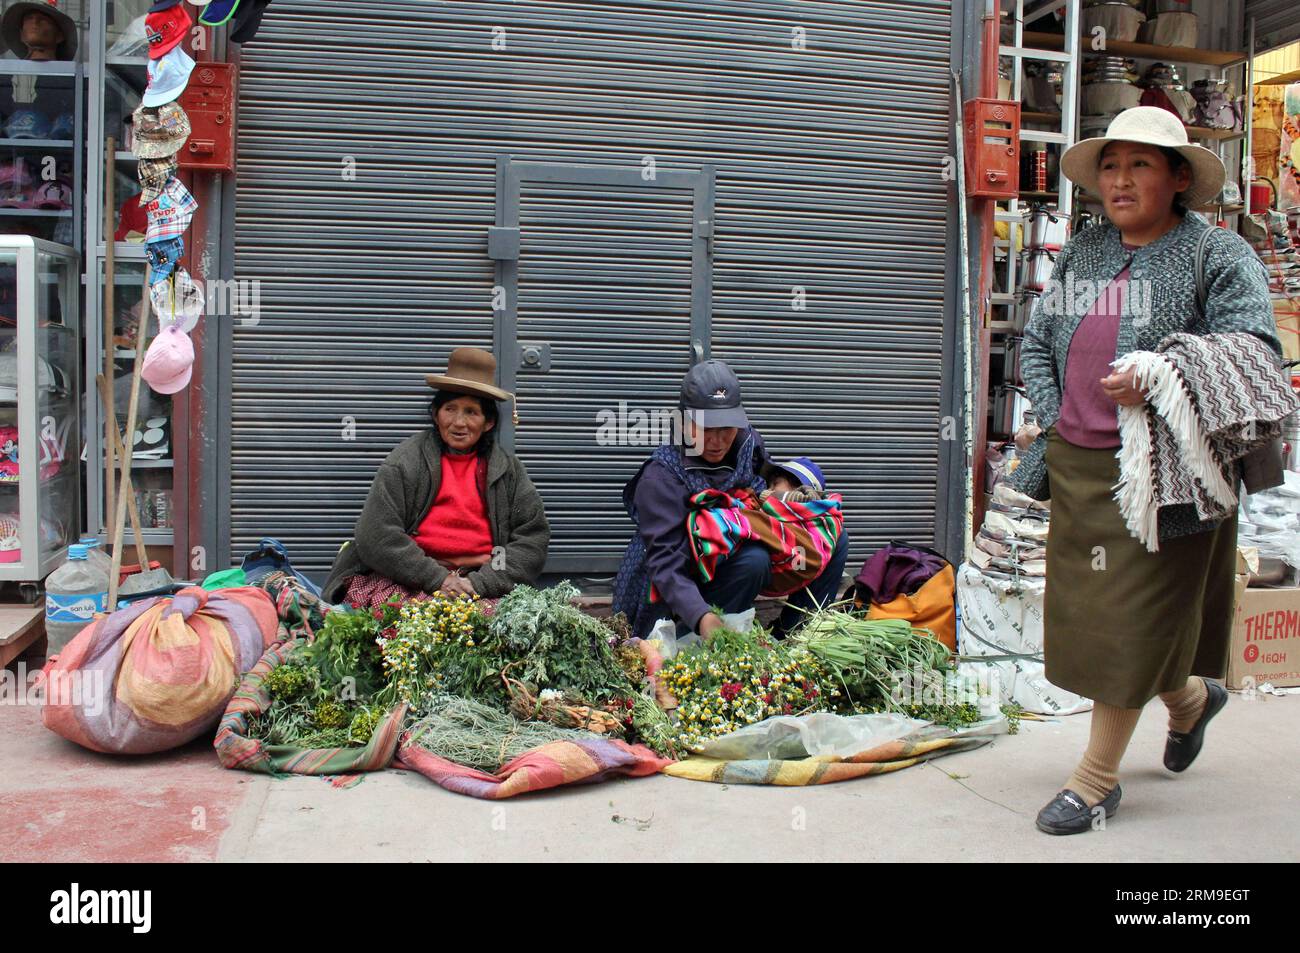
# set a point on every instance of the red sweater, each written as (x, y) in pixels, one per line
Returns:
(456, 526)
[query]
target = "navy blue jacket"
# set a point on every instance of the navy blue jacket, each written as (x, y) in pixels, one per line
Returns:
(660, 500)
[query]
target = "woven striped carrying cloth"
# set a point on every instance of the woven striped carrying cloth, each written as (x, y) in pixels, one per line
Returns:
(822, 748)
(1211, 400)
(552, 765)
(800, 536)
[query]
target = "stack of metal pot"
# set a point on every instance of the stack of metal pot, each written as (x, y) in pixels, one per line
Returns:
(1109, 85)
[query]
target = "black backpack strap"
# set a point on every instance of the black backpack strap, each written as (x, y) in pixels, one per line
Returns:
(924, 549)
(1202, 246)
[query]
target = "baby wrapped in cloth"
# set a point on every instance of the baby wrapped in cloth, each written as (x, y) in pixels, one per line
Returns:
(800, 534)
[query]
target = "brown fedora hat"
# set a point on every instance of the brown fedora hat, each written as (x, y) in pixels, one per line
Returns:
(470, 370)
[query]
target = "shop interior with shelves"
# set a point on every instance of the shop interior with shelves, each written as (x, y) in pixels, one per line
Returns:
(64, 104)
(1072, 67)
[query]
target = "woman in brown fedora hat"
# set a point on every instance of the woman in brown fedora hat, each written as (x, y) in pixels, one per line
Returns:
(1126, 621)
(449, 510)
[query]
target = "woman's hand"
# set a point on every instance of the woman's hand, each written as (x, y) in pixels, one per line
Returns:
(1027, 435)
(455, 585)
(710, 622)
(1122, 389)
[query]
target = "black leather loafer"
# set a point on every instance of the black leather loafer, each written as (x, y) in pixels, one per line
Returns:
(1181, 749)
(1068, 813)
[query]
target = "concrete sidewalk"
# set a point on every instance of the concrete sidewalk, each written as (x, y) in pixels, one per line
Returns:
(1238, 803)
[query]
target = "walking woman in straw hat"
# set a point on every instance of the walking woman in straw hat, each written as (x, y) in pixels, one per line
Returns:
(1124, 625)
(450, 510)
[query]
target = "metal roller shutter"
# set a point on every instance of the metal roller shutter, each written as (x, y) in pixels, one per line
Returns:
(1277, 22)
(604, 284)
(369, 137)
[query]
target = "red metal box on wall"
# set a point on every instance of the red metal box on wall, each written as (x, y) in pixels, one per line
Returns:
(209, 101)
(992, 148)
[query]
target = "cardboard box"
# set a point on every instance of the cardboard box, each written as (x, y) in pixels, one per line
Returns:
(1265, 644)
(1288, 325)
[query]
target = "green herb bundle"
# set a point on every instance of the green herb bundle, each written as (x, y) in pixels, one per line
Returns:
(307, 713)
(887, 665)
(557, 644)
(480, 736)
(324, 695)
(346, 650)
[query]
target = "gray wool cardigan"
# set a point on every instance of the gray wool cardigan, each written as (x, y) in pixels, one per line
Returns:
(1237, 300)
(400, 495)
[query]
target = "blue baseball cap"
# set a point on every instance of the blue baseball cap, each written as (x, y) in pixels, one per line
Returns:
(63, 127)
(27, 124)
(805, 472)
(168, 77)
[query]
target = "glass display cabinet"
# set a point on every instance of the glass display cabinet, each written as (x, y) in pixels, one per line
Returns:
(40, 407)
(42, 116)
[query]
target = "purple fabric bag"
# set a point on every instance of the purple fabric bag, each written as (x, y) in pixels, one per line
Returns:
(897, 569)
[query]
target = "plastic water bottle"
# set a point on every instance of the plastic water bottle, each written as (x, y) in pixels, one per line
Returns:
(73, 594)
(96, 556)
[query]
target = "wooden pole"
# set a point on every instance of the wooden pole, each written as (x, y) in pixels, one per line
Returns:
(123, 482)
(141, 555)
(110, 207)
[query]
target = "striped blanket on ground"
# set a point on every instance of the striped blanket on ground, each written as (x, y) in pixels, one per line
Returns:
(235, 749)
(546, 766)
(800, 536)
(883, 759)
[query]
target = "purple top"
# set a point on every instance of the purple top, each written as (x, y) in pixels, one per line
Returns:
(1088, 417)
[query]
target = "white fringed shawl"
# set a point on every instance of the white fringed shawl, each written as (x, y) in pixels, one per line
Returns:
(1210, 400)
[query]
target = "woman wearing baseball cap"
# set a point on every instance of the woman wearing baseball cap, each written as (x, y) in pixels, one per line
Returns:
(720, 451)
(450, 510)
(1138, 624)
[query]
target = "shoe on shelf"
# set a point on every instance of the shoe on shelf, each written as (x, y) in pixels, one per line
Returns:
(1181, 748)
(1068, 813)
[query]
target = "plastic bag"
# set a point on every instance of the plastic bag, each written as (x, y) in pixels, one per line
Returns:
(788, 737)
(665, 632)
(1270, 521)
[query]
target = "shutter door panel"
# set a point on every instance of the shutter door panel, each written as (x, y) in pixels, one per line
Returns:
(827, 163)
(605, 280)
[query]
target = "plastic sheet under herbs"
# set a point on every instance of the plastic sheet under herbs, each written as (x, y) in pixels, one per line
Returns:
(823, 734)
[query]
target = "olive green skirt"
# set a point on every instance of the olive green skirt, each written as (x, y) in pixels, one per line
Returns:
(1122, 625)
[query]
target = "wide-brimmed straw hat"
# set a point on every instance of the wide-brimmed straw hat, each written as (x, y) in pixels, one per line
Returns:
(1152, 126)
(470, 370)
